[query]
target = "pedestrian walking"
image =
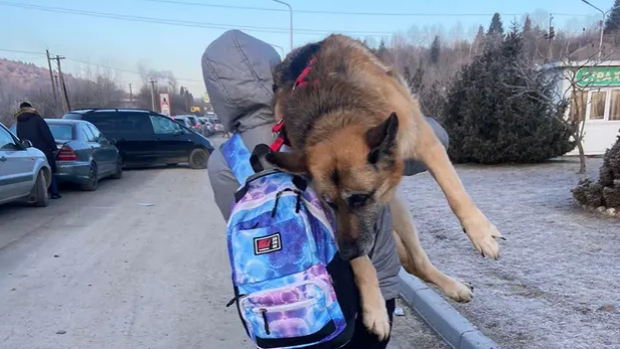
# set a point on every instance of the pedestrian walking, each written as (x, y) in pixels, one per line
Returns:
(31, 126)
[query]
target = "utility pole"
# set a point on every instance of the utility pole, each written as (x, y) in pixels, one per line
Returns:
(49, 65)
(550, 36)
(130, 95)
(152, 94)
(63, 86)
(604, 13)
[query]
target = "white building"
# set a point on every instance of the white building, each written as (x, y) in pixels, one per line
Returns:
(594, 91)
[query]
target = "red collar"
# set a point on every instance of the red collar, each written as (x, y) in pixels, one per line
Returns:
(299, 82)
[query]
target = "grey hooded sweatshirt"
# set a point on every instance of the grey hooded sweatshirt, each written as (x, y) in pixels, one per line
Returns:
(237, 70)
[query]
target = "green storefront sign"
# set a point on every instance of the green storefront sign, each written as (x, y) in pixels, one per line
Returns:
(598, 76)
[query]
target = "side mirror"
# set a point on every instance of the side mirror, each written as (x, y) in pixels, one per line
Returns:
(113, 141)
(26, 144)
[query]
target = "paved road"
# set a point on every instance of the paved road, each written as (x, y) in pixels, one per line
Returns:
(98, 270)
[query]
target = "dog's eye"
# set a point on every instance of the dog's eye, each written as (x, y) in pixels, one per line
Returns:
(358, 200)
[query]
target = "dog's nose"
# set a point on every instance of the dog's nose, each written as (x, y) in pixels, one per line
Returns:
(349, 249)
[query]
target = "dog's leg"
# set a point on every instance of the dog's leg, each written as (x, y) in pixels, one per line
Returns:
(414, 259)
(480, 231)
(373, 305)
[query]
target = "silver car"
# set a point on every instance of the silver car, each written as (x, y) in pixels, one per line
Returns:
(25, 173)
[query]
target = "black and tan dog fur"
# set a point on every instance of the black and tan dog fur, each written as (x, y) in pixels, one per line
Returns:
(351, 128)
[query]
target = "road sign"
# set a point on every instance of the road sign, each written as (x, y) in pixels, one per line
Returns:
(164, 103)
(195, 109)
(206, 98)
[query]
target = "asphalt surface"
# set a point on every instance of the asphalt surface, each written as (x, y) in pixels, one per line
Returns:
(141, 263)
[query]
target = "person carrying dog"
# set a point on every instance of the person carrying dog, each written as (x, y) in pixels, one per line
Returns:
(237, 70)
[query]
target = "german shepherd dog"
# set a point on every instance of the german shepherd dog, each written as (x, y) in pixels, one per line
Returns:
(351, 126)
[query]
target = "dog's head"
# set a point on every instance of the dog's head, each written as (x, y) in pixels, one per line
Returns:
(355, 170)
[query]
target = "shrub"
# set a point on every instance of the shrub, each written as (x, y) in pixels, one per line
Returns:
(606, 191)
(490, 123)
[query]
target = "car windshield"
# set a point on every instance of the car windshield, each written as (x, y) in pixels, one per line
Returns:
(62, 132)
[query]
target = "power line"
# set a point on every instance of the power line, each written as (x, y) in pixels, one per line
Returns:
(93, 64)
(199, 4)
(20, 51)
(184, 23)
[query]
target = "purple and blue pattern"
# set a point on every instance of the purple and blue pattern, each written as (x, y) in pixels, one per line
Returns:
(288, 292)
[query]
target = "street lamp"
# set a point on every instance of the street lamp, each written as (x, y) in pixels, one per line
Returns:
(600, 44)
(279, 47)
(291, 10)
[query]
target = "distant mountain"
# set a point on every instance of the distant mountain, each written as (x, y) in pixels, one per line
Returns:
(25, 75)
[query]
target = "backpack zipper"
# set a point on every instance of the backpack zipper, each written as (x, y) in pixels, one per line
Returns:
(264, 312)
(279, 194)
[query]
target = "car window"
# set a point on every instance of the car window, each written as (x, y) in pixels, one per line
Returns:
(95, 131)
(163, 125)
(90, 137)
(117, 122)
(6, 141)
(61, 132)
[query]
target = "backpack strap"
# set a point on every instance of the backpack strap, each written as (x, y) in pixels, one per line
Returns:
(238, 157)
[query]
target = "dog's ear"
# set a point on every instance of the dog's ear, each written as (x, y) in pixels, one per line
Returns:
(382, 139)
(288, 162)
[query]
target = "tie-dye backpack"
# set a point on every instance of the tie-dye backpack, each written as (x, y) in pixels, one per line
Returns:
(292, 288)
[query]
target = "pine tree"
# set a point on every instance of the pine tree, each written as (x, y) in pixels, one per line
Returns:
(488, 123)
(435, 50)
(496, 27)
(613, 19)
(479, 39)
(527, 25)
(382, 50)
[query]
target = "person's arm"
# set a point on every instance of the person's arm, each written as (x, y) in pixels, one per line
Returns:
(223, 182)
(413, 167)
(48, 138)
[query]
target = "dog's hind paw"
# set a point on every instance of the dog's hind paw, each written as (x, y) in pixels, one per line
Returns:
(377, 321)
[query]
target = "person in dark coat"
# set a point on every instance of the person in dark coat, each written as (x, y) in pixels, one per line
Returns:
(31, 126)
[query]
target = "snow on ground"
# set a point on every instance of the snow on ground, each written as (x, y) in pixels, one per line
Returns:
(557, 283)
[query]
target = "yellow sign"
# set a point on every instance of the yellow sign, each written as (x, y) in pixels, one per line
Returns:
(195, 109)
(206, 98)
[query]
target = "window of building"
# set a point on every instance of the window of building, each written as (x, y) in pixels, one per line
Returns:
(578, 105)
(614, 109)
(597, 105)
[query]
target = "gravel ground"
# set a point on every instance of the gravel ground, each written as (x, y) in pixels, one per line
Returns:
(556, 284)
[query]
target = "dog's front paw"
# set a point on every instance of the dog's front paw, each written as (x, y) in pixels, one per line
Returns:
(483, 235)
(459, 292)
(377, 321)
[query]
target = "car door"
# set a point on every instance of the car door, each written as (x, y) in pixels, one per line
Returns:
(173, 142)
(107, 151)
(17, 167)
(94, 149)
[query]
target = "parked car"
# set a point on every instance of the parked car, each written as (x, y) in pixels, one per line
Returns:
(85, 155)
(144, 137)
(25, 173)
(217, 125)
(189, 121)
(209, 127)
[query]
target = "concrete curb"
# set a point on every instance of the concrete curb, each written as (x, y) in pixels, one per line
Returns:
(446, 321)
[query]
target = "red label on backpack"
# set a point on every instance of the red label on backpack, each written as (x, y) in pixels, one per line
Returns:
(267, 244)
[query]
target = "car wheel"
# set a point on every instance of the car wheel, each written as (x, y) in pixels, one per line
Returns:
(93, 179)
(198, 159)
(40, 191)
(119, 169)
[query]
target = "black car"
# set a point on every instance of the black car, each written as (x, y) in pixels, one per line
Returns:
(144, 137)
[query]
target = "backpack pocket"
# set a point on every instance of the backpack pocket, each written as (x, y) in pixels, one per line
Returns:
(297, 314)
(272, 248)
